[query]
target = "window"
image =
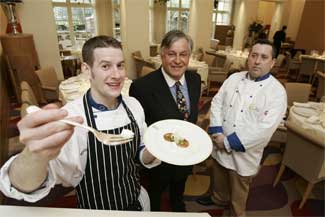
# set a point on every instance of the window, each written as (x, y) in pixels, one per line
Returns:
(117, 19)
(221, 13)
(178, 12)
(75, 22)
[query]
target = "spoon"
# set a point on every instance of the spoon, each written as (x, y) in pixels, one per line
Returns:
(108, 139)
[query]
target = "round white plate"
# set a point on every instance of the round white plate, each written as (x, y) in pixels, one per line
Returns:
(305, 112)
(199, 149)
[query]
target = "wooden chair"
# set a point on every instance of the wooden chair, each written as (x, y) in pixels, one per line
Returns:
(220, 59)
(146, 70)
(136, 54)
(320, 92)
(307, 68)
(139, 63)
(320, 66)
(278, 64)
(297, 92)
(27, 94)
(218, 74)
(210, 59)
(49, 82)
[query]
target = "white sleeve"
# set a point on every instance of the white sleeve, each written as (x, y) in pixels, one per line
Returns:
(9, 191)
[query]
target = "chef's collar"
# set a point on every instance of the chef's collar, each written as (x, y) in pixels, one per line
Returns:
(264, 77)
(99, 106)
(170, 81)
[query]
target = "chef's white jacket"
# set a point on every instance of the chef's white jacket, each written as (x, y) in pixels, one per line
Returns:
(247, 112)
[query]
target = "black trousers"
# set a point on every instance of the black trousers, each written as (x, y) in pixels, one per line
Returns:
(171, 177)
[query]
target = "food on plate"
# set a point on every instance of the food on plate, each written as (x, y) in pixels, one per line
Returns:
(174, 137)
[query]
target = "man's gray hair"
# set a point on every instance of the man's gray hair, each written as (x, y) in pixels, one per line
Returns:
(173, 36)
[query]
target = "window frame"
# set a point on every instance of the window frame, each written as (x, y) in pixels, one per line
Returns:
(178, 9)
(215, 13)
(69, 5)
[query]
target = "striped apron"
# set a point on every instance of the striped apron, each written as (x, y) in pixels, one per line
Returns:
(111, 180)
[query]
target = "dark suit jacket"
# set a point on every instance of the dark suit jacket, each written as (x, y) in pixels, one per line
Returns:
(153, 92)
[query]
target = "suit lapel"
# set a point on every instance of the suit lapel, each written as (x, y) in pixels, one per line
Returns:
(163, 94)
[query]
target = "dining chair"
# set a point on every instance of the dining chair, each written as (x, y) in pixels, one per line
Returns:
(209, 58)
(278, 64)
(320, 66)
(49, 82)
(220, 59)
(307, 68)
(139, 63)
(146, 70)
(28, 98)
(304, 154)
(320, 92)
(218, 74)
(297, 92)
(27, 94)
(136, 54)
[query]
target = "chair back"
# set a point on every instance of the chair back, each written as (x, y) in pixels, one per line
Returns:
(146, 70)
(220, 59)
(307, 67)
(23, 109)
(209, 59)
(214, 44)
(320, 66)
(28, 98)
(297, 92)
(137, 54)
(28, 93)
(321, 85)
(139, 63)
(48, 77)
(227, 65)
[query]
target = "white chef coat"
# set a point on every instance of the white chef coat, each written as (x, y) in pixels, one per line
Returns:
(248, 113)
(68, 168)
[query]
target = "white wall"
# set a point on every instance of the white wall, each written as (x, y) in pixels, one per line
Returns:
(134, 31)
(245, 13)
(36, 17)
(296, 8)
(265, 11)
(200, 23)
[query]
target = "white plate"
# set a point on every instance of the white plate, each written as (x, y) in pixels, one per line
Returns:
(304, 111)
(199, 149)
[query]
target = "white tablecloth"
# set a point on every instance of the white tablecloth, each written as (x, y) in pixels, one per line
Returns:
(238, 58)
(201, 67)
(76, 86)
(298, 116)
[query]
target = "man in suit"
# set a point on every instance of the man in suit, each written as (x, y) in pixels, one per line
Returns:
(170, 92)
(278, 38)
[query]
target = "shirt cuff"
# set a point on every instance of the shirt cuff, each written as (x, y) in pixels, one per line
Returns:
(215, 129)
(8, 190)
(154, 163)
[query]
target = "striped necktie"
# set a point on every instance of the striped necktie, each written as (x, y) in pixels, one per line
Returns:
(180, 100)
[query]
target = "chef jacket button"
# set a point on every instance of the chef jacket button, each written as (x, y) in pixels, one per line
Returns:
(261, 85)
(234, 125)
(224, 120)
(237, 91)
(230, 106)
(241, 110)
(250, 96)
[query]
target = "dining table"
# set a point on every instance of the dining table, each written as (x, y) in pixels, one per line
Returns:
(27, 211)
(237, 57)
(305, 146)
(200, 67)
(76, 86)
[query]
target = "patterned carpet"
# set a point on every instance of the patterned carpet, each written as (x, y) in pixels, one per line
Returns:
(263, 200)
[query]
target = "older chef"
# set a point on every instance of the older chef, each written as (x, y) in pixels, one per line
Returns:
(244, 114)
(105, 177)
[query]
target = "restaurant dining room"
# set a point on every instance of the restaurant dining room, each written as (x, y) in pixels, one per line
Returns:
(162, 108)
